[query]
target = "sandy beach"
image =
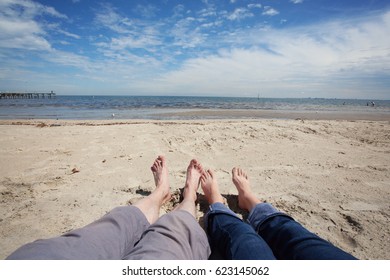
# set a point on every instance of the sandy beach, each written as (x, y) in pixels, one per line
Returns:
(332, 176)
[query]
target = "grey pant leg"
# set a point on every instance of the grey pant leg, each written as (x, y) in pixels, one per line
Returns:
(176, 235)
(110, 237)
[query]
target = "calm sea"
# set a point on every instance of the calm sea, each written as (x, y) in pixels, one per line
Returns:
(160, 107)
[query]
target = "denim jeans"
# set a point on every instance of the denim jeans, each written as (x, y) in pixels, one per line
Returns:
(268, 234)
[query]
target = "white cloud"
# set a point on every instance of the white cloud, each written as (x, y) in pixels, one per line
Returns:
(333, 58)
(27, 9)
(269, 11)
(146, 11)
(327, 57)
(178, 10)
(69, 59)
(253, 6)
(131, 42)
(108, 17)
(69, 34)
(296, 1)
(130, 33)
(240, 13)
(24, 28)
(186, 34)
(19, 28)
(16, 34)
(207, 12)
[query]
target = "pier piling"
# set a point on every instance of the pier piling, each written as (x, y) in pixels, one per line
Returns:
(27, 95)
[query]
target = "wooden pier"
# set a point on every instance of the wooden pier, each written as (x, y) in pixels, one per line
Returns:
(27, 95)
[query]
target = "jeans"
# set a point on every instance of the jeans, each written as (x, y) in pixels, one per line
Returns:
(269, 234)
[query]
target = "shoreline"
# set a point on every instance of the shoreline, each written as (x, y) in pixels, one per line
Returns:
(225, 115)
(282, 114)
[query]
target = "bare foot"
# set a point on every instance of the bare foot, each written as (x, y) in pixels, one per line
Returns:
(161, 178)
(150, 205)
(246, 199)
(210, 187)
(194, 172)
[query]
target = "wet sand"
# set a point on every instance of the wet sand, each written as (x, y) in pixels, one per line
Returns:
(372, 115)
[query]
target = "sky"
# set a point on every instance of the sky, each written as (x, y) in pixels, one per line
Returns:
(248, 48)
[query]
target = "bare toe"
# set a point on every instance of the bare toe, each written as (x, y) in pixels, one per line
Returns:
(246, 198)
(161, 176)
(194, 173)
(210, 187)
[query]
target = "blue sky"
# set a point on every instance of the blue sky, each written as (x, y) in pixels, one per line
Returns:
(271, 48)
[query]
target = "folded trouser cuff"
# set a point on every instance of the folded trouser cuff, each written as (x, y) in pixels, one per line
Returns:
(218, 208)
(262, 212)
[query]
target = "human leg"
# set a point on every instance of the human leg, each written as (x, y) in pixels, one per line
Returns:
(287, 238)
(194, 172)
(290, 240)
(228, 234)
(150, 205)
(112, 236)
(176, 235)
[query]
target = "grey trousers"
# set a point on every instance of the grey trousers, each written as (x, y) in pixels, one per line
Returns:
(124, 233)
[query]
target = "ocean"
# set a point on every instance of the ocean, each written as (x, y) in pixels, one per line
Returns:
(165, 107)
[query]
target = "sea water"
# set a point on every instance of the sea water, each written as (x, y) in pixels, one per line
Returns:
(160, 107)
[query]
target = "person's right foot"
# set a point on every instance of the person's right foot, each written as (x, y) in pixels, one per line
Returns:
(194, 171)
(210, 187)
(246, 199)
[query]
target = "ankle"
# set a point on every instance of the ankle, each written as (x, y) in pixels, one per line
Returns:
(216, 198)
(159, 196)
(188, 194)
(248, 200)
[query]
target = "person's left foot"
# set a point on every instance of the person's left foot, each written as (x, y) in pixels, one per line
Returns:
(210, 187)
(161, 177)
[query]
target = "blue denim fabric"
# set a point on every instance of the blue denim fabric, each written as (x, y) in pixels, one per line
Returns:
(231, 238)
(261, 212)
(270, 234)
(289, 240)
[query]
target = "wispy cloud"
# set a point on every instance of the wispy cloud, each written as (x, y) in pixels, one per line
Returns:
(296, 1)
(26, 28)
(22, 34)
(69, 34)
(207, 12)
(269, 11)
(178, 11)
(147, 11)
(107, 17)
(19, 28)
(69, 59)
(186, 35)
(325, 57)
(253, 6)
(218, 50)
(128, 34)
(27, 9)
(239, 14)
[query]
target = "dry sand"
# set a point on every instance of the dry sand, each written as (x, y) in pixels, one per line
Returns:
(332, 176)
